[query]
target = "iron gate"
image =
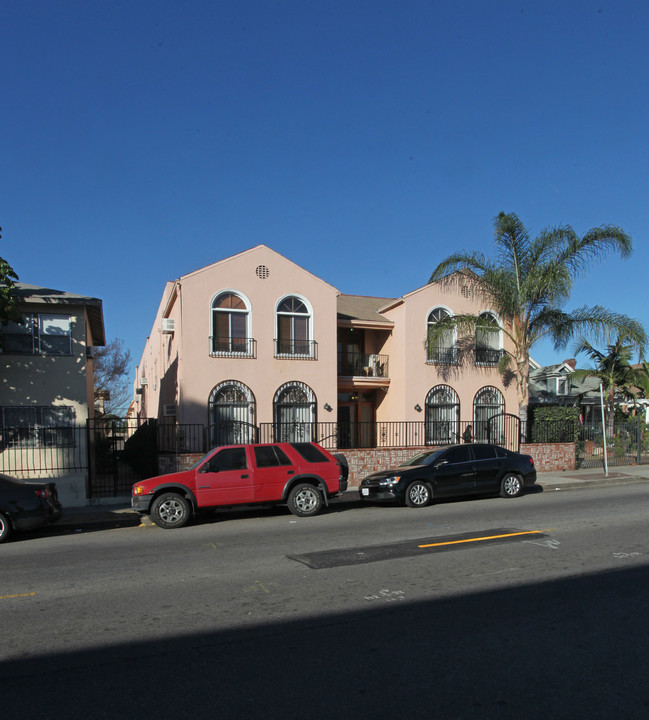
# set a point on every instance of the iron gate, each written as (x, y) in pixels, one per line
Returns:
(626, 444)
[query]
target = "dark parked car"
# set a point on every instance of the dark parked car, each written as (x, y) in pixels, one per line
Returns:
(470, 469)
(26, 505)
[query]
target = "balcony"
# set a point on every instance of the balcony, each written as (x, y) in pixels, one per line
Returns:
(363, 365)
(442, 356)
(231, 347)
(296, 349)
(487, 356)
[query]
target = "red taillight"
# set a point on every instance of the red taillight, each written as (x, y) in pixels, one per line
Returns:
(44, 493)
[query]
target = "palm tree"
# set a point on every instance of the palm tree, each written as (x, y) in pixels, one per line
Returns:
(529, 282)
(613, 369)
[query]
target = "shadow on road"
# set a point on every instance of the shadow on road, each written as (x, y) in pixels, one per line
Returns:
(576, 647)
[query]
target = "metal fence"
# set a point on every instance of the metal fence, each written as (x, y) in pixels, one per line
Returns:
(31, 452)
(626, 444)
(117, 453)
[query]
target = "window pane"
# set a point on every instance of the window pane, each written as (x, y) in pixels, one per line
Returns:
(239, 325)
(222, 325)
(282, 457)
(54, 331)
(484, 452)
(18, 338)
(19, 425)
(457, 455)
(265, 456)
(292, 305)
(228, 459)
(57, 426)
(310, 452)
(301, 328)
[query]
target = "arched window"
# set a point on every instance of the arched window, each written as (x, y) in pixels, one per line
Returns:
(230, 325)
(293, 328)
(488, 340)
(488, 414)
(294, 413)
(442, 417)
(440, 349)
(232, 414)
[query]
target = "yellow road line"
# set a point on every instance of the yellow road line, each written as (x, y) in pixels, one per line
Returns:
(19, 595)
(479, 539)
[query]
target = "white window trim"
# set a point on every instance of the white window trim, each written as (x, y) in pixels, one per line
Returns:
(450, 312)
(311, 324)
(248, 311)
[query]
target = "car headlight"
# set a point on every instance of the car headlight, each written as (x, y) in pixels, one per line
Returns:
(389, 482)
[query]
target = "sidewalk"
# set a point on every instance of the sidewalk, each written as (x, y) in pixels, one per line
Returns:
(120, 514)
(588, 477)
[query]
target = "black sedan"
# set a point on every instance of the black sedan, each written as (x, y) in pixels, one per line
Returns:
(453, 471)
(26, 505)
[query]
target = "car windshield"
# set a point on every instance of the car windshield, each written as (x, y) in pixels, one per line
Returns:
(423, 458)
(202, 460)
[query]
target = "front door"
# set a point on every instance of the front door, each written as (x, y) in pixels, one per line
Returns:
(357, 421)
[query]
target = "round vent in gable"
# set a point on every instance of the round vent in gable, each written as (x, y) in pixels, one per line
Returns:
(262, 272)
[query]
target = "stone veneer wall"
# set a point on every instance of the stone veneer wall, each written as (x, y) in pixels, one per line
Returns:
(548, 457)
(552, 457)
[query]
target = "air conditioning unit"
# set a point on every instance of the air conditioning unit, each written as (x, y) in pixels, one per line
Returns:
(90, 352)
(144, 381)
(169, 410)
(168, 325)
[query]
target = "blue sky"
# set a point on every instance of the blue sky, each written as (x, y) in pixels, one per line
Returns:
(365, 141)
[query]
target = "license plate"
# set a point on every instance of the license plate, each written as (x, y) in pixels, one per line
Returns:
(365, 491)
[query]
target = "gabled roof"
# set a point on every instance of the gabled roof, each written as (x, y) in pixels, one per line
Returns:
(454, 276)
(34, 294)
(360, 310)
(252, 251)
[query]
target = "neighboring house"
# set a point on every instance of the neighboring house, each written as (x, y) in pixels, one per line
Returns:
(46, 393)
(555, 385)
(256, 347)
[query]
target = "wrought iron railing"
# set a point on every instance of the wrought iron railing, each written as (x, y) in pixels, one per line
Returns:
(442, 356)
(118, 452)
(324, 433)
(233, 347)
(363, 365)
(31, 451)
(288, 349)
(487, 356)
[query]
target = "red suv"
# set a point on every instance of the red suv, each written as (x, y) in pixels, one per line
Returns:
(303, 475)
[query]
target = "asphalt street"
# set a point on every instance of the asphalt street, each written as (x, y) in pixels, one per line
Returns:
(109, 512)
(534, 607)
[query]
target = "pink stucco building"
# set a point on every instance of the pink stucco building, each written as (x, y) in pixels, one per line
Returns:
(255, 347)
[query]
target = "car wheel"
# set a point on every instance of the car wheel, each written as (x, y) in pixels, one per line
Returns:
(304, 500)
(511, 486)
(5, 527)
(170, 510)
(418, 494)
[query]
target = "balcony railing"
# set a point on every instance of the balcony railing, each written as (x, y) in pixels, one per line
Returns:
(487, 356)
(296, 349)
(442, 356)
(233, 347)
(363, 365)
